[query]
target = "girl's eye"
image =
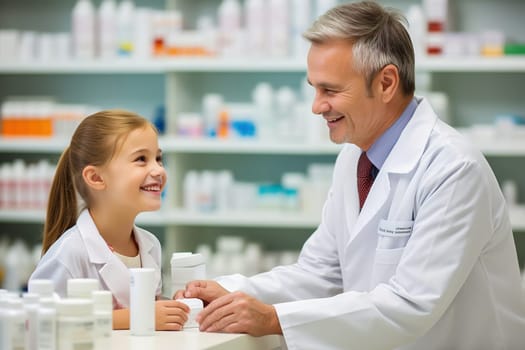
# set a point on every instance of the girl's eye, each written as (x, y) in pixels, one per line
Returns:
(141, 159)
(159, 159)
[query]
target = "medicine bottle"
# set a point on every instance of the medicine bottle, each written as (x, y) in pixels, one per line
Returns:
(196, 306)
(75, 326)
(83, 22)
(13, 328)
(103, 318)
(44, 288)
(31, 306)
(186, 267)
(142, 301)
(81, 288)
(47, 324)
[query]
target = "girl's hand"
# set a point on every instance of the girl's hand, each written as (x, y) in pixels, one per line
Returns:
(170, 315)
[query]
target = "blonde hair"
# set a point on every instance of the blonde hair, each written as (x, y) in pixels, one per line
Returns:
(378, 36)
(94, 142)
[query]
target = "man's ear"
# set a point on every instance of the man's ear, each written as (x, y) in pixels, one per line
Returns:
(93, 178)
(389, 80)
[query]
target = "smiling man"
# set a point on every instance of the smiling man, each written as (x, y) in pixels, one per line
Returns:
(415, 248)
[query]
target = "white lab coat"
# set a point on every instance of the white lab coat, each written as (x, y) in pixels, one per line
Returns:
(82, 253)
(453, 283)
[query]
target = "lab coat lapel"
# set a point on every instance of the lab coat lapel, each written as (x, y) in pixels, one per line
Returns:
(113, 273)
(116, 277)
(146, 248)
(356, 221)
(402, 159)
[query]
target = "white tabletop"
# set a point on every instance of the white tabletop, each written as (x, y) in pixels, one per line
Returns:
(193, 339)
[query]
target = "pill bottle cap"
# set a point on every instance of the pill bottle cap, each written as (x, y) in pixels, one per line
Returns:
(81, 287)
(186, 259)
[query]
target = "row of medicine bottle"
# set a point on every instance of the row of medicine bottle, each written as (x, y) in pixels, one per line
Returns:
(42, 320)
(25, 185)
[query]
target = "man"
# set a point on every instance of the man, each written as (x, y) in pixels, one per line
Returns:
(426, 260)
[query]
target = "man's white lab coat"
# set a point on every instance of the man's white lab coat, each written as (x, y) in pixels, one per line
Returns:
(429, 263)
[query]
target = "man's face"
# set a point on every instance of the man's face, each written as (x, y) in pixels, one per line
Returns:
(341, 96)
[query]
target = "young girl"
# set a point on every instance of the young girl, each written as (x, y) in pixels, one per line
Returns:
(114, 165)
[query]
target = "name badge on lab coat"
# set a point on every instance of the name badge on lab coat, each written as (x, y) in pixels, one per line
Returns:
(393, 234)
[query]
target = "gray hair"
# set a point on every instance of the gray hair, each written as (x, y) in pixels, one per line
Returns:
(378, 36)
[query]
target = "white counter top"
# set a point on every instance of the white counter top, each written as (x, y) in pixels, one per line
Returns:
(193, 339)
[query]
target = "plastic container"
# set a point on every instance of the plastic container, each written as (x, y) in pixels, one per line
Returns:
(83, 20)
(256, 13)
(30, 301)
(229, 19)
(107, 29)
(47, 324)
(212, 104)
(103, 318)
(186, 267)
(196, 306)
(81, 287)
(125, 27)
(142, 301)
(279, 28)
(75, 325)
(13, 320)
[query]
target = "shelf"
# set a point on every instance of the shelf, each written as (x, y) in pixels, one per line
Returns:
(123, 66)
(210, 146)
(171, 144)
(491, 146)
(472, 64)
(229, 219)
(176, 217)
(517, 217)
(33, 145)
(184, 218)
(156, 66)
(244, 64)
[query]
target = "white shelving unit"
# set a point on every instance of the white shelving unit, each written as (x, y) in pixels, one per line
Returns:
(185, 80)
(242, 65)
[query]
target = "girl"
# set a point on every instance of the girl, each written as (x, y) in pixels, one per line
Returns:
(114, 165)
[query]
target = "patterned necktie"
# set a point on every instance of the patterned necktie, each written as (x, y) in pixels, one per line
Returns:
(364, 178)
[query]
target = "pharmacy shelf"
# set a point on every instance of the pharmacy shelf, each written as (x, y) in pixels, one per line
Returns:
(245, 64)
(493, 144)
(156, 66)
(472, 64)
(124, 66)
(167, 217)
(171, 144)
(490, 146)
(246, 146)
(230, 219)
(32, 145)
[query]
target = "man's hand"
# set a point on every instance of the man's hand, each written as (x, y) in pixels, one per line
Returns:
(205, 290)
(239, 313)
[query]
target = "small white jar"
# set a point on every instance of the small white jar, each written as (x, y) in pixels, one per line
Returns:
(75, 325)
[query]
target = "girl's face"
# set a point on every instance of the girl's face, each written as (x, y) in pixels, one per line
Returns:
(135, 176)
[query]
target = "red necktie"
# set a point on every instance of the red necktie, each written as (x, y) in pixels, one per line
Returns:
(364, 178)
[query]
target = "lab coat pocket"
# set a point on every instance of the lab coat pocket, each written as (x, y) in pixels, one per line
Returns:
(385, 265)
(392, 237)
(393, 234)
